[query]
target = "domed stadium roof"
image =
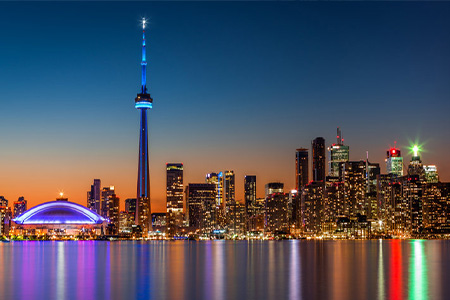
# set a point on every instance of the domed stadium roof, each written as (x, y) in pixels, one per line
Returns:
(59, 212)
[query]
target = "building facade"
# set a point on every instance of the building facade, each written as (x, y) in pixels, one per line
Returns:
(94, 197)
(174, 197)
(301, 168)
(339, 154)
(250, 200)
(201, 200)
(318, 159)
(20, 206)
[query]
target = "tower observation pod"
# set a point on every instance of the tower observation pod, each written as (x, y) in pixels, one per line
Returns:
(143, 102)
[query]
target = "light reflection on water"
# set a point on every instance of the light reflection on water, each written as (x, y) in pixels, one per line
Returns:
(225, 270)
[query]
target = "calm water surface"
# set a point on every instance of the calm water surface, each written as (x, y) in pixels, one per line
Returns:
(87, 270)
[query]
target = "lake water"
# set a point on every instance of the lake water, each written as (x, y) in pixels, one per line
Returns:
(389, 269)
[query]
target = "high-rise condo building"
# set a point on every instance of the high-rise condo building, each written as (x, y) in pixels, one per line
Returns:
(431, 174)
(217, 180)
(130, 205)
(274, 187)
(318, 159)
(277, 212)
(5, 219)
(201, 198)
(415, 166)
(94, 197)
(110, 209)
(301, 168)
(354, 177)
(436, 218)
(339, 154)
(250, 194)
(174, 196)
(394, 162)
(312, 207)
(3, 201)
(20, 206)
(229, 188)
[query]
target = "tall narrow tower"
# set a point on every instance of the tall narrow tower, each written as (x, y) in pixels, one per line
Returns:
(143, 102)
(318, 162)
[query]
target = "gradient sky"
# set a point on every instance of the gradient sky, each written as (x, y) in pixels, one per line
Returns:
(236, 85)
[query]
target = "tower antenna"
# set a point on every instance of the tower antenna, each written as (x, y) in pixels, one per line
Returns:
(144, 60)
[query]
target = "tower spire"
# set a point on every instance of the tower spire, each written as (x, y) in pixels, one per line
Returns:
(144, 60)
(143, 102)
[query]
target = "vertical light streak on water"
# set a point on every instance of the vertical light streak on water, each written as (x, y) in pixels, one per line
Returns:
(295, 283)
(92, 261)
(155, 268)
(29, 265)
(107, 273)
(2, 269)
(380, 271)
(208, 272)
(60, 271)
(396, 277)
(418, 281)
(80, 275)
(219, 269)
(271, 270)
(130, 269)
(361, 260)
(435, 265)
(340, 273)
(177, 272)
(250, 266)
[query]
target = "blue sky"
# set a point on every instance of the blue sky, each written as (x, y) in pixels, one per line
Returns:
(236, 85)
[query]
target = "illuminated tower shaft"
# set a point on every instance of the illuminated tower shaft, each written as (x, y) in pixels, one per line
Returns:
(143, 102)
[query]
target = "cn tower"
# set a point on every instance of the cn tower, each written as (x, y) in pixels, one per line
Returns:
(143, 102)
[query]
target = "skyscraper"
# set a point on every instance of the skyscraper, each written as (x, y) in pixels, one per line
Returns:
(312, 207)
(249, 192)
(318, 156)
(94, 197)
(339, 154)
(394, 162)
(276, 212)
(217, 179)
(301, 168)
(3, 201)
(436, 218)
(130, 206)
(415, 166)
(20, 206)
(143, 102)
(354, 177)
(110, 209)
(174, 196)
(5, 219)
(201, 198)
(431, 174)
(229, 188)
(274, 187)
(250, 199)
(107, 194)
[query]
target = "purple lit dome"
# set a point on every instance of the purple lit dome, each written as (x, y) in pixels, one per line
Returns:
(59, 212)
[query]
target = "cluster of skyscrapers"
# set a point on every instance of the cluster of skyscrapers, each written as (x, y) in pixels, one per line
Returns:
(356, 201)
(7, 214)
(352, 199)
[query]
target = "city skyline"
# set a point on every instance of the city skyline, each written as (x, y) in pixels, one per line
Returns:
(65, 152)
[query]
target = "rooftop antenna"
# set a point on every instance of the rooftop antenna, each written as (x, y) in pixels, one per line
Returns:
(339, 137)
